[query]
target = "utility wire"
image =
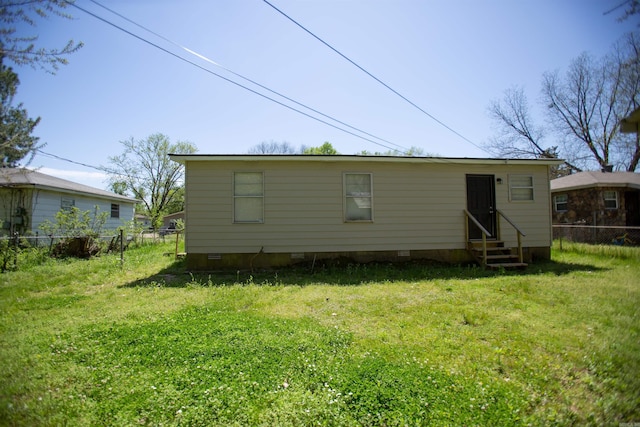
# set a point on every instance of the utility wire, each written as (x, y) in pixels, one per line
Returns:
(204, 58)
(375, 78)
(67, 160)
(106, 21)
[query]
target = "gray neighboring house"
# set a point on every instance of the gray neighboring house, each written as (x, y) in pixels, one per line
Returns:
(597, 198)
(28, 198)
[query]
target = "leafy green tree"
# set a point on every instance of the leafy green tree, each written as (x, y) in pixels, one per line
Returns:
(145, 172)
(16, 128)
(21, 48)
(325, 148)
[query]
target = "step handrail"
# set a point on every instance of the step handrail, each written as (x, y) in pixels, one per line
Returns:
(483, 230)
(519, 232)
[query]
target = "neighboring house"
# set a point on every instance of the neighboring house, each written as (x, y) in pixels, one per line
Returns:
(28, 198)
(143, 221)
(270, 210)
(169, 221)
(597, 198)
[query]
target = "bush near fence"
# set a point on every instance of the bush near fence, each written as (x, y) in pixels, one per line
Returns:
(598, 235)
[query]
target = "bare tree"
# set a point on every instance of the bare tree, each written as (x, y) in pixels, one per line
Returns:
(273, 147)
(21, 48)
(518, 136)
(585, 107)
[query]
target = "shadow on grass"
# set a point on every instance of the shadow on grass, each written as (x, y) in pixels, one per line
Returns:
(345, 274)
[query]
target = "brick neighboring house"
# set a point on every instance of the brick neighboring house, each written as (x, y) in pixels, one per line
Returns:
(597, 198)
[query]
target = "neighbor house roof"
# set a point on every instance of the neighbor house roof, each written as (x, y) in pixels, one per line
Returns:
(596, 179)
(20, 178)
(182, 158)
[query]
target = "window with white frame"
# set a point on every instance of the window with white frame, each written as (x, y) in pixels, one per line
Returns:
(520, 188)
(358, 196)
(66, 203)
(611, 200)
(248, 197)
(561, 202)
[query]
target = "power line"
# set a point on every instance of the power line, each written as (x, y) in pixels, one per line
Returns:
(203, 57)
(106, 21)
(68, 160)
(375, 78)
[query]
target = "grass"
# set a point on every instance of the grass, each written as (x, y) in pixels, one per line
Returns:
(91, 343)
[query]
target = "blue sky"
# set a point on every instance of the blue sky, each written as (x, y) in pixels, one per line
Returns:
(451, 58)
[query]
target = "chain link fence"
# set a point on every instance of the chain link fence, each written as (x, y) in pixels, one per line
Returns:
(597, 235)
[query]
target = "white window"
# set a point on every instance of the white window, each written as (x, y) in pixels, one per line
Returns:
(248, 197)
(520, 187)
(66, 203)
(611, 200)
(358, 196)
(560, 202)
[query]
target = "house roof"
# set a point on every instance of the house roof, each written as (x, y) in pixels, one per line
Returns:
(183, 158)
(630, 124)
(20, 178)
(596, 179)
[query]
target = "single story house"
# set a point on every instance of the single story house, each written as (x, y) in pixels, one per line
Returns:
(28, 198)
(169, 221)
(245, 211)
(597, 198)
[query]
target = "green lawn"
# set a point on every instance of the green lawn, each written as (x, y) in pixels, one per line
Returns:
(91, 343)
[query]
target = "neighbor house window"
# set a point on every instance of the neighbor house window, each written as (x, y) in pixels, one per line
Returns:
(248, 197)
(560, 202)
(358, 197)
(521, 187)
(611, 200)
(66, 203)
(115, 210)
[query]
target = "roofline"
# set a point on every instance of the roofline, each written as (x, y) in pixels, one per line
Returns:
(183, 158)
(70, 191)
(596, 185)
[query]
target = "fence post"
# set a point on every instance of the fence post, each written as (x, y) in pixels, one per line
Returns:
(121, 248)
(16, 238)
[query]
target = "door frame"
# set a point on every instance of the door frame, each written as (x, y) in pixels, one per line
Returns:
(489, 215)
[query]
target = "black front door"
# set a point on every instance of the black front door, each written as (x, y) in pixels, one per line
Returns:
(481, 203)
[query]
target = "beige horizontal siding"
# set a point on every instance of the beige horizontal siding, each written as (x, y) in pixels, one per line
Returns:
(415, 207)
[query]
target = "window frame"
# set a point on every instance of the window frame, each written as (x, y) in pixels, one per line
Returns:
(115, 213)
(556, 203)
(512, 187)
(67, 203)
(615, 199)
(237, 197)
(346, 197)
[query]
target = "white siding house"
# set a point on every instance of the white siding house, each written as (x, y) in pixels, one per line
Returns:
(271, 210)
(28, 198)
